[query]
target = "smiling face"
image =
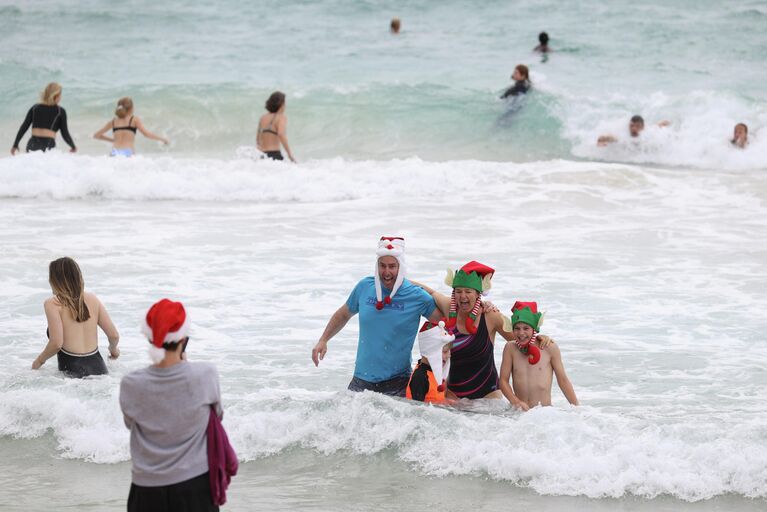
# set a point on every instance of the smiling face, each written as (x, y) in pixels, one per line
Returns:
(523, 332)
(388, 268)
(465, 299)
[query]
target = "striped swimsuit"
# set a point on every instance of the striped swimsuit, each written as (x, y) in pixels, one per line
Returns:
(472, 364)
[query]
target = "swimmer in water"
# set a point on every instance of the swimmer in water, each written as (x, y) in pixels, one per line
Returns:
(46, 118)
(521, 77)
(395, 25)
(73, 317)
(543, 47)
(273, 129)
(636, 127)
(740, 136)
(123, 143)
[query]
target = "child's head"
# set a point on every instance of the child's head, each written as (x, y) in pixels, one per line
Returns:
(525, 320)
(523, 332)
(435, 343)
(445, 352)
(521, 72)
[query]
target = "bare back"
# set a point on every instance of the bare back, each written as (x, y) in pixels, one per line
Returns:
(268, 132)
(125, 134)
(82, 337)
(531, 382)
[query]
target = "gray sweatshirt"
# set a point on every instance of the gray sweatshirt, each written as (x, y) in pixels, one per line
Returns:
(167, 412)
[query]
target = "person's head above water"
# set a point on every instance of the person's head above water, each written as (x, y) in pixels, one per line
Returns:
(395, 25)
(468, 283)
(740, 135)
(390, 268)
(51, 95)
(68, 286)
(124, 107)
(166, 326)
(275, 102)
(636, 125)
(521, 72)
(543, 38)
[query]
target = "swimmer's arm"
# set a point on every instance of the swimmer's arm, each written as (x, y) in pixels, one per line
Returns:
(337, 322)
(442, 301)
(99, 135)
(55, 332)
(106, 324)
(146, 133)
(559, 370)
(664, 123)
(282, 130)
(506, 388)
(604, 140)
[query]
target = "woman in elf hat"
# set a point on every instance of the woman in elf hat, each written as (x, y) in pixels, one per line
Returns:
(473, 373)
(74, 317)
(167, 408)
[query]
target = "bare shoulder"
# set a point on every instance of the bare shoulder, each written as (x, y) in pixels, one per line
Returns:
(91, 300)
(52, 303)
(553, 349)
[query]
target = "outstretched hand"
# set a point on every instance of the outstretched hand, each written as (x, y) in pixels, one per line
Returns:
(319, 351)
(489, 307)
(543, 340)
(36, 364)
(114, 352)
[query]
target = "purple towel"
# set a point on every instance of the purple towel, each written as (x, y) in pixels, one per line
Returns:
(222, 461)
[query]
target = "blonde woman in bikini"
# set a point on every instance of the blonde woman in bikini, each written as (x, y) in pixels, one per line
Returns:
(124, 127)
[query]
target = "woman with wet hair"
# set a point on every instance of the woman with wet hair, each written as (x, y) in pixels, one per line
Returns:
(273, 129)
(73, 317)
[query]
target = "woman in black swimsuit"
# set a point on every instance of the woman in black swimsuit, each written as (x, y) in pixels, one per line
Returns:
(272, 129)
(46, 118)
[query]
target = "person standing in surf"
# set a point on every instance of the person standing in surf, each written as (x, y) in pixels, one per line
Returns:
(73, 317)
(529, 364)
(273, 129)
(167, 408)
(124, 127)
(473, 373)
(46, 118)
(390, 308)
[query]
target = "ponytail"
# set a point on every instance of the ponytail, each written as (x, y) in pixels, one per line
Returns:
(124, 107)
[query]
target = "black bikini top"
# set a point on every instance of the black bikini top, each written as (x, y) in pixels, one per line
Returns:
(129, 127)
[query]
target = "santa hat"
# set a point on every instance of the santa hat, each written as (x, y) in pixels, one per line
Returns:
(389, 246)
(165, 322)
(473, 275)
(431, 339)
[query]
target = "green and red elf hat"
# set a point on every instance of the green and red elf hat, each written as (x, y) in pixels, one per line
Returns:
(526, 313)
(473, 275)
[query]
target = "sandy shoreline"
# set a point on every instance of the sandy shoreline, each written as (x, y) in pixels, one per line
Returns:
(33, 478)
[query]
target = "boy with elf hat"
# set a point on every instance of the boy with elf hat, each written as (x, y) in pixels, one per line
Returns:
(166, 407)
(474, 323)
(390, 308)
(530, 365)
(427, 384)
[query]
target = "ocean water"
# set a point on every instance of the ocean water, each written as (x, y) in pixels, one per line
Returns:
(648, 258)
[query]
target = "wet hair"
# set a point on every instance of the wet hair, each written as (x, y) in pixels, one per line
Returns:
(67, 284)
(275, 102)
(124, 106)
(51, 91)
(637, 119)
(395, 24)
(543, 38)
(524, 71)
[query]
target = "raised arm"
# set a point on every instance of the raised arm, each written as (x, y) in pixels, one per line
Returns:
(282, 131)
(65, 132)
(100, 135)
(562, 380)
(22, 130)
(505, 378)
(442, 301)
(146, 133)
(106, 324)
(337, 322)
(55, 334)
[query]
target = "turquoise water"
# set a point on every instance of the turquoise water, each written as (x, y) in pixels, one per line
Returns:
(200, 74)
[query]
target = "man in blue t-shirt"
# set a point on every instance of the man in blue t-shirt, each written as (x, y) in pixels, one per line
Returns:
(390, 309)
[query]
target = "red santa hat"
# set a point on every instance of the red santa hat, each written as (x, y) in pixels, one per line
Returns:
(165, 322)
(389, 246)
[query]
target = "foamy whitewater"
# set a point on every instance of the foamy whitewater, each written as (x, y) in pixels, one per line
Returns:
(649, 259)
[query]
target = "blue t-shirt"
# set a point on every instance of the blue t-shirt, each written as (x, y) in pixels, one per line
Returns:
(387, 335)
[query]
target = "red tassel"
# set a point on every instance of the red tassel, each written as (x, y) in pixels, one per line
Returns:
(470, 325)
(379, 305)
(387, 300)
(441, 388)
(533, 354)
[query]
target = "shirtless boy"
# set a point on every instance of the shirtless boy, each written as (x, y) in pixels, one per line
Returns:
(530, 366)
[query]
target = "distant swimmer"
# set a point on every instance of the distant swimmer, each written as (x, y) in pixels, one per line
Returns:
(521, 77)
(636, 127)
(528, 367)
(395, 25)
(46, 118)
(543, 46)
(740, 136)
(73, 317)
(123, 143)
(273, 128)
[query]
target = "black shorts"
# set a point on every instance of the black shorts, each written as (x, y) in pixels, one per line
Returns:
(191, 495)
(81, 365)
(395, 386)
(274, 155)
(40, 144)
